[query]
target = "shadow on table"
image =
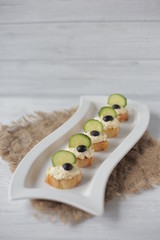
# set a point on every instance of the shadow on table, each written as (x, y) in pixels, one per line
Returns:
(112, 209)
(154, 125)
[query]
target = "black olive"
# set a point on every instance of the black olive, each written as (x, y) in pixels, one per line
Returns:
(108, 118)
(67, 166)
(81, 148)
(116, 106)
(94, 133)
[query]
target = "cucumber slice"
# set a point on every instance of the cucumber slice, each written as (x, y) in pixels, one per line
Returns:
(79, 139)
(63, 156)
(105, 111)
(117, 99)
(93, 124)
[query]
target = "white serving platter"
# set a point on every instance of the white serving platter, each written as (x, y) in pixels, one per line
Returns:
(28, 179)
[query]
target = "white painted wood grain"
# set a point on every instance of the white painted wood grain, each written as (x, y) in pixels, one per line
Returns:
(130, 41)
(59, 79)
(18, 11)
(51, 52)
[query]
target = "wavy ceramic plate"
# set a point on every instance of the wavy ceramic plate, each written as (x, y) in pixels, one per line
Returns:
(28, 179)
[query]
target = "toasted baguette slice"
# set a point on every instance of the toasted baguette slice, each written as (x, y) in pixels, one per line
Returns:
(86, 162)
(112, 132)
(123, 117)
(100, 146)
(63, 183)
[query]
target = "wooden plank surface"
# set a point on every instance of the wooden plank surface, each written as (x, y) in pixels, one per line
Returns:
(36, 11)
(110, 41)
(62, 78)
(51, 53)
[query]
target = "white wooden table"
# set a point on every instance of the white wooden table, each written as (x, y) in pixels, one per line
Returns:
(51, 52)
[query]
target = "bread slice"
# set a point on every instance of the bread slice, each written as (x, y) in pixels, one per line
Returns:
(112, 132)
(86, 162)
(123, 117)
(64, 183)
(100, 146)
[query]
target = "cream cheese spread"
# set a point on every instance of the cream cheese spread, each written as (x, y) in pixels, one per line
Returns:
(121, 110)
(110, 124)
(88, 153)
(96, 139)
(60, 173)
